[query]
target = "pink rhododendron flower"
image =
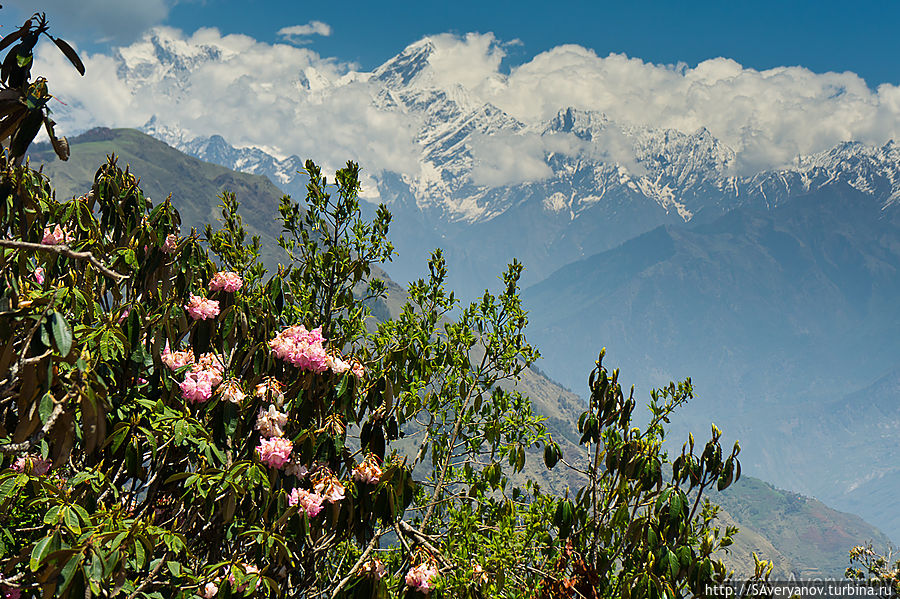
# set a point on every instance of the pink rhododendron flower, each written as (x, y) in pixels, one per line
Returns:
(125, 312)
(329, 487)
(270, 423)
(336, 364)
(10, 592)
(368, 471)
(310, 503)
(39, 275)
(274, 452)
(171, 244)
(422, 577)
(226, 281)
(197, 386)
(201, 308)
(301, 348)
(37, 465)
(373, 568)
(231, 391)
(210, 590)
(56, 236)
(175, 360)
(357, 369)
(213, 366)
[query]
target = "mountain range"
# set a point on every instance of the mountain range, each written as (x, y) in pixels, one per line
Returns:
(801, 535)
(775, 290)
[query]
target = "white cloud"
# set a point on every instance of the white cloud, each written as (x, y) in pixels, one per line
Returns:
(514, 158)
(295, 33)
(291, 99)
(101, 20)
(767, 117)
(251, 93)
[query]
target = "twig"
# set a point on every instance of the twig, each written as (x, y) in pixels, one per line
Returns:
(423, 540)
(149, 579)
(358, 563)
(63, 250)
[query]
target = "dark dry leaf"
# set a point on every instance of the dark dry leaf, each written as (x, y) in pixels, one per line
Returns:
(70, 54)
(60, 145)
(12, 37)
(9, 124)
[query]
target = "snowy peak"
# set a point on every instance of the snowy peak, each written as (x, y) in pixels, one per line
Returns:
(407, 67)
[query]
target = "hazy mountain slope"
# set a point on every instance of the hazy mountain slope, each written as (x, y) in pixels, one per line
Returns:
(812, 540)
(194, 184)
(801, 535)
(772, 314)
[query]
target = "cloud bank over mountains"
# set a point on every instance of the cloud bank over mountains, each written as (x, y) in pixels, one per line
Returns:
(290, 100)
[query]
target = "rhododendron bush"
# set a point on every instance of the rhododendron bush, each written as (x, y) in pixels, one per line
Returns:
(175, 421)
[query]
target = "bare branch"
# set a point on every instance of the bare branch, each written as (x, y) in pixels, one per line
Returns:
(62, 250)
(359, 562)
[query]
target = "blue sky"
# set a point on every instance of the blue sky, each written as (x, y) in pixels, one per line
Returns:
(822, 36)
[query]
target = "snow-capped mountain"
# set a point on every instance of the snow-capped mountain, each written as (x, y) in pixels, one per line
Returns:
(489, 187)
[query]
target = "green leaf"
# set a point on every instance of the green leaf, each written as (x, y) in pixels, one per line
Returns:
(62, 333)
(52, 515)
(671, 562)
(39, 552)
(676, 507)
(174, 568)
(71, 519)
(342, 386)
(46, 407)
(10, 483)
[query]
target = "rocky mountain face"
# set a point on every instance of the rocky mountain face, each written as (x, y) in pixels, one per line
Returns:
(490, 187)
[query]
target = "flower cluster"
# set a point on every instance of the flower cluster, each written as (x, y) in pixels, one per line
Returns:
(422, 577)
(33, 464)
(201, 308)
(171, 244)
(368, 471)
(301, 347)
(56, 236)
(231, 391)
(305, 349)
(39, 275)
(310, 502)
(270, 423)
(210, 590)
(175, 360)
(328, 486)
(274, 452)
(226, 281)
(373, 568)
(204, 376)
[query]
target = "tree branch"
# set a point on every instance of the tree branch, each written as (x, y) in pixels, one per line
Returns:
(359, 562)
(62, 250)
